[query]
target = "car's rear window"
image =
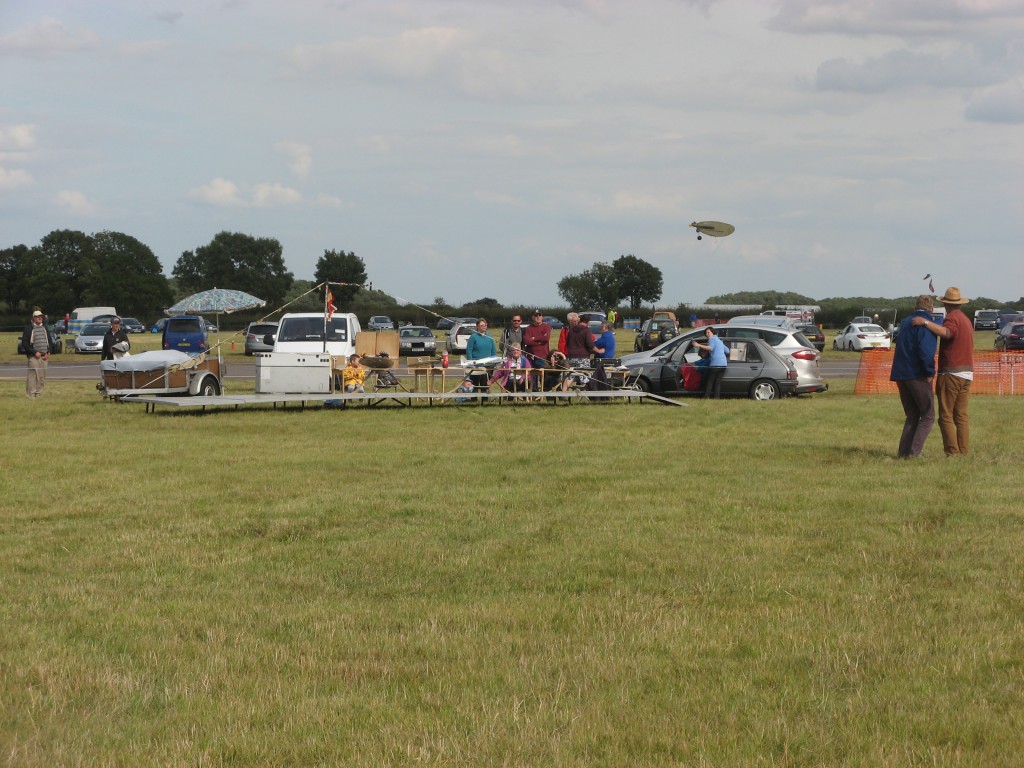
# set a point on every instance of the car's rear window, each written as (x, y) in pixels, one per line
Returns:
(263, 330)
(184, 325)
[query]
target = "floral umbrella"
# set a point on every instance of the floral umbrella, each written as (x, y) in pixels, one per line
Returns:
(215, 300)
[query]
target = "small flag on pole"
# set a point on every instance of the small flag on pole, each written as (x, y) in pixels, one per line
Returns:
(330, 304)
(931, 285)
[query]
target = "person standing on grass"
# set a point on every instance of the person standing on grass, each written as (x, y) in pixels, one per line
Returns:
(479, 346)
(115, 341)
(35, 341)
(536, 342)
(956, 371)
(513, 334)
(718, 359)
(605, 343)
(913, 366)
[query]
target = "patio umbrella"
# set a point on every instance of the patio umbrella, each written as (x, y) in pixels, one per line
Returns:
(215, 300)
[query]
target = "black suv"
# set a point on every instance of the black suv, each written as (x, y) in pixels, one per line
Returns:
(654, 332)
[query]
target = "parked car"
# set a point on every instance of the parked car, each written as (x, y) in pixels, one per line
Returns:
(861, 319)
(858, 337)
(586, 317)
(256, 337)
(654, 332)
(132, 325)
(185, 333)
(55, 341)
(90, 340)
(380, 323)
(458, 336)
(1010, 337)
(554, 322)
(445, 323)
(790, 343)
(416, 340)
(755, 370)
(663, 314)
(103, 319)
(814, 334)
(986, 319)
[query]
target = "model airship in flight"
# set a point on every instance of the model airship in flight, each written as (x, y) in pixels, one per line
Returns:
(712, 228)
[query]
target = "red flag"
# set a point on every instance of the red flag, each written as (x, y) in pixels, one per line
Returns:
(330, 304)
(931, 287)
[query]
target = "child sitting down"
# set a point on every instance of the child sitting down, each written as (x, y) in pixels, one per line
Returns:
(353, 375)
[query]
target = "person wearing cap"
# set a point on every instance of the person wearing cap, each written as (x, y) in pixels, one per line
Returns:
(913, 366)
(115, 341)
(956, 371)
(537, 343)
(38, 346)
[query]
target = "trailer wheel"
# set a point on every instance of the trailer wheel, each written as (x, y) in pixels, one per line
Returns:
(209, 387)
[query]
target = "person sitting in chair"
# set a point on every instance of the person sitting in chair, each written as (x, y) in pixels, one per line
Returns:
(353, 375)
(513, 373)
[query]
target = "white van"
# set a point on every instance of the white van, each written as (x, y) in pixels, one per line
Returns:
(303, 332)
(82, 316)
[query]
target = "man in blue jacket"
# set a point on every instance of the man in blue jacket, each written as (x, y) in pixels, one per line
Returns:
(913, 367)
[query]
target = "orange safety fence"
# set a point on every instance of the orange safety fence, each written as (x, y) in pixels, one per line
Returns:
(995, 373)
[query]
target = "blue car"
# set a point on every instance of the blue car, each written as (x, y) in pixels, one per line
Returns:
(185, 333)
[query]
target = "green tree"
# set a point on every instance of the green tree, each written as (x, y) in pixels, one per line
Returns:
(128, 276)
(638, 281)
(341, 267)
(593, 288)
(15, 264)
(238, 261)
(61, 271)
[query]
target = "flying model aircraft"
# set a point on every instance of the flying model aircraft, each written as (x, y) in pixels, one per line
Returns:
(712, 228)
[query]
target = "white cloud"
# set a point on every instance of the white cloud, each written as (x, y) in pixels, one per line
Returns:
(413, 54)
(300, 157)
(266, 195)
(218, 192)
(225, 193)
(329, 201)
(75, 203)
(908, 18)
(17, 137)
(14, 179)
(905, 69)
(997, 104)
(47, 39)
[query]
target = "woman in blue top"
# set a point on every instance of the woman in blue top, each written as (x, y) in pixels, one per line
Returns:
(480, 345)
(718, 359)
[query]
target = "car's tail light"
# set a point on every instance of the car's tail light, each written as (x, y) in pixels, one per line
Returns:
(862, 335)
(792, 375)
(805, 354)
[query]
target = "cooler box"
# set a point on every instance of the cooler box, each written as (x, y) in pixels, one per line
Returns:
(281, 373)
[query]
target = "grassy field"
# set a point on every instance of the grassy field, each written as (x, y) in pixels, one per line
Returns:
(729, 583)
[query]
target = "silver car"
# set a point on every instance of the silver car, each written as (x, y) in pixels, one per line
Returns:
(754, 370)
(256, 337)
(91, 338)
(416, 340)
(788, 342)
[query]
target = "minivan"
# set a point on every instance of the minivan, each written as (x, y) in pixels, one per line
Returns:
(303, 333)
(185, 333)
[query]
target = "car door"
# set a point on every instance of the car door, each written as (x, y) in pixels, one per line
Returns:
(746, 363)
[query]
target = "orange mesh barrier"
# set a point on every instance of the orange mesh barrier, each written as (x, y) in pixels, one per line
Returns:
(995, 373)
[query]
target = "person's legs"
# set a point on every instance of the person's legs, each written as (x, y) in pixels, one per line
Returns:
(33, 380)
(960, 420)
(910, 418)
(920, 416)
(946, 391)
(713, 382)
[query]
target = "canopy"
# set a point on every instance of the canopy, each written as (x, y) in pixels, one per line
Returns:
(215, 300)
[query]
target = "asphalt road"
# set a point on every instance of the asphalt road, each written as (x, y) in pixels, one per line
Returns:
(72, 367)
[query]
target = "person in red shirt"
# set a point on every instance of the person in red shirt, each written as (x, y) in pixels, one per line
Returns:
(955, 373)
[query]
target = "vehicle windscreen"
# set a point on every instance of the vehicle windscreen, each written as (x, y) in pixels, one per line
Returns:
(416, 333)
(184, 325)
(97, 329)
(312, 329)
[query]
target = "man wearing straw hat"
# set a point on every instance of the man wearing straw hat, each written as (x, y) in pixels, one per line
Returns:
(956, 371)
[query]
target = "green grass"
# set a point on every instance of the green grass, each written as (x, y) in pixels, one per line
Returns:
(729, 583)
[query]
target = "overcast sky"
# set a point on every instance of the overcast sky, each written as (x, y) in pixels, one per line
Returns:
(470, 148)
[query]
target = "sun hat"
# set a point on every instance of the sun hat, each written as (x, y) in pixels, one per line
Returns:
(37, 313)
(952, 296)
